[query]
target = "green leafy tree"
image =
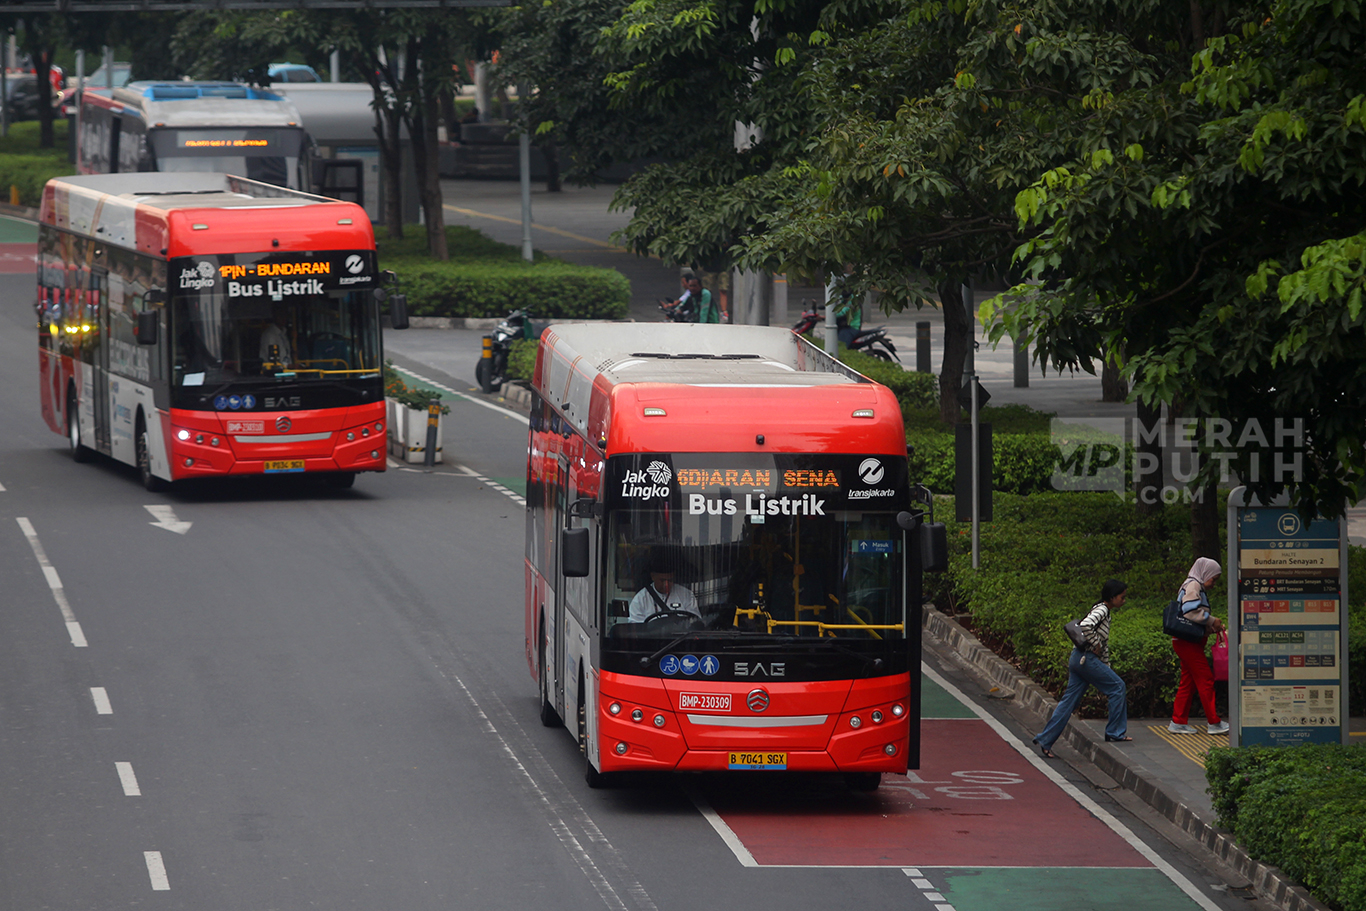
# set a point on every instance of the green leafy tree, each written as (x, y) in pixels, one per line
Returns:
(1218, 235)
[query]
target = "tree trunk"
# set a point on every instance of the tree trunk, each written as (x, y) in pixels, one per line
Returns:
(1205, 522)
(1113, 387)
(1148, 459)
(429, 176)
(391, 154)
(42, 65)
(957, 337)
(551, 152)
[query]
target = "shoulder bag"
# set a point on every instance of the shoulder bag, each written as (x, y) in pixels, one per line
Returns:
(1175, 624)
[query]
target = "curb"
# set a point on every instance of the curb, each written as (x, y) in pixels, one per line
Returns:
(453, 322)
(1267, 881)
(24, 212)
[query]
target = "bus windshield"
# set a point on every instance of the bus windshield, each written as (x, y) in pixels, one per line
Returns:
(267, 154)
(222, 340)
(752, 554)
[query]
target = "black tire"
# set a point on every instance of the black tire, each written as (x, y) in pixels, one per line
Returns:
(144, 459)
(862, 781)
(483, 373)
(500, 370)
(549, 717)
(79, 451)
(591, 775)
(341, 479)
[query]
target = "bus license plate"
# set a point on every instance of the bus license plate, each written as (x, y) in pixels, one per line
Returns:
(284, 466)
(758, 760)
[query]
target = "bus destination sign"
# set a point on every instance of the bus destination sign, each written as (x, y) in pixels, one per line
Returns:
(274, 276)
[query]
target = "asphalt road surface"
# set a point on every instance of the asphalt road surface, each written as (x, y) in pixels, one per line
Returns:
(317, 698)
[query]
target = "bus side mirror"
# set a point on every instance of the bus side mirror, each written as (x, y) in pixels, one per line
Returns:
(574, 552)
(398, 311)
(146, 328)
(934, 547)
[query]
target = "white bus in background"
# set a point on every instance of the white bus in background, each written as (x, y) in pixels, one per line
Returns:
(194, 126)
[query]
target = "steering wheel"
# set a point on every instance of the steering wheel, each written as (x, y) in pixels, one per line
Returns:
(661, 616)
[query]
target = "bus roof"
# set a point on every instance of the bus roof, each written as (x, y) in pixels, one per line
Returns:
(200, 104)
(718, 387)
(182, 213)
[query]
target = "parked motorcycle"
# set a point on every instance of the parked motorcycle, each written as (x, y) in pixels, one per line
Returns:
(873, 341)
(492, 371)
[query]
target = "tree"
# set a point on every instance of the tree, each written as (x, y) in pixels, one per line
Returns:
(1236, 280)
(39, 35)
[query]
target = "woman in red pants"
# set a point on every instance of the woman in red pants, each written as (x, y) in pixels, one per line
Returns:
(1196, 674)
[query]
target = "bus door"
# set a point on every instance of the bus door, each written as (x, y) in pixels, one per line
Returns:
(96, 354)
(560, 636)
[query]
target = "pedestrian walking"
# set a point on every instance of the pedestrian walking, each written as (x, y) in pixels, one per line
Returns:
(1196, 674)
(1091, 667)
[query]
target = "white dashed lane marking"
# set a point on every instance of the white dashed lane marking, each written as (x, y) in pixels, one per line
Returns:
(156, 871)
(128, 779)
(101, 698)
(54, 582)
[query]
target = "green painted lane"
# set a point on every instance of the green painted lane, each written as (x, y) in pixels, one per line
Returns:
(17, 231)
(1052, 888)
(936, 702)
(517, 485)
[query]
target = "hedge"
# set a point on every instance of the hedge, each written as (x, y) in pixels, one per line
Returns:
(24, 165)
(1302, 809)
(1043, 558)
(485, 278)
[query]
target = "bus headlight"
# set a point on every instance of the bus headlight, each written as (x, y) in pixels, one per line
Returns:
(621, 748)
(182, 435)
(855, 722)
(898, 710)
(659, 721)
(877, 717)
(637, 714)
(614, 708)
(890, 749)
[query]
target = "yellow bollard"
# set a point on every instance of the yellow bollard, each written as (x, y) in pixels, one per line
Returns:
(13, 195)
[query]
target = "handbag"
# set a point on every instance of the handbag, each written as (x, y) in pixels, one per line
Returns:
(1078, 635)
(1219, 655)
(1175, 624)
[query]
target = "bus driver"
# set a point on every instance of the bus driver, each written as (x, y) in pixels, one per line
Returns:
(662, 594)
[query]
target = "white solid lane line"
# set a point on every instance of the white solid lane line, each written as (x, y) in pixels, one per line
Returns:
(156, 871)
(102, 706)
(73, 628)
(469, 398)
(1095, 809)
(128, 779)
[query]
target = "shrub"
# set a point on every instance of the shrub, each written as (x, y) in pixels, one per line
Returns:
(522, 359)
(1301, 808)
(24, 165)
(1023, 455)
(414, 397)
(485, 278)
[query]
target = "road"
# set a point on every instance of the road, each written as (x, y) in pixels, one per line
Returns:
(316, 698)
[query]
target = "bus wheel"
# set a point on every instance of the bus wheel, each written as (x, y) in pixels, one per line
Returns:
(862, 781)
(549, 717)
(144, 455)
(591, 775)
(341, 479)
(79, 451)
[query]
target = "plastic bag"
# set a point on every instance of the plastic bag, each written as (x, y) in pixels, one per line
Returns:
(1219, 655)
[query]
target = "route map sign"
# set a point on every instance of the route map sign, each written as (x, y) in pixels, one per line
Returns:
(1288, 606)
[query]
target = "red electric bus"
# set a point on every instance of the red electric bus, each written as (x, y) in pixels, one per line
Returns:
(199, 325)
(722, 563)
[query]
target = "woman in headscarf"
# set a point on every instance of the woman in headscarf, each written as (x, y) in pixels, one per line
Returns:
(1196, 674)
(1091, 667)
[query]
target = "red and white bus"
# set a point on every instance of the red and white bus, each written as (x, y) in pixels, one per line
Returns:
(200, 325)
(769, 481)
(192, 126)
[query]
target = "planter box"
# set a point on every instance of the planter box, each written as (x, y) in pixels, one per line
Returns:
(408, 433)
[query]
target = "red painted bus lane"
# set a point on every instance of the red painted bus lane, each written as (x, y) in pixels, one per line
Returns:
(18, 258)
(975, 803)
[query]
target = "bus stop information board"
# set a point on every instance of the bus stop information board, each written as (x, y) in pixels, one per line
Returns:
(1290, 682)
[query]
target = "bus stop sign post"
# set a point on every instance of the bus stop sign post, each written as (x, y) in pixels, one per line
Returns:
(1288, 623)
